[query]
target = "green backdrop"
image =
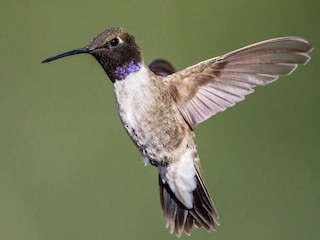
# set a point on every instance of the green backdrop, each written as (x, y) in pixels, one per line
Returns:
(69, 171)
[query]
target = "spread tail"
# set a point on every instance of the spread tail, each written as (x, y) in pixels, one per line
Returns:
(179, 218)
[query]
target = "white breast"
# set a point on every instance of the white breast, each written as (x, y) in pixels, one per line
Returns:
(133, 95)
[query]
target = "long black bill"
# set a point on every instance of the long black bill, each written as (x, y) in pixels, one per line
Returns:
(66, 54)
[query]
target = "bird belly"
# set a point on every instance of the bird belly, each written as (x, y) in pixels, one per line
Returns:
(155, 135)
(150, 117)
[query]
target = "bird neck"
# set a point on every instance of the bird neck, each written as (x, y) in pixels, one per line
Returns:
(121, 72)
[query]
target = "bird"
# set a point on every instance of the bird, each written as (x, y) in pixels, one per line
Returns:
(159, 108)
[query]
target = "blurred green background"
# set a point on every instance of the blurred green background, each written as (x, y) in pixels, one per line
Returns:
(68, 169)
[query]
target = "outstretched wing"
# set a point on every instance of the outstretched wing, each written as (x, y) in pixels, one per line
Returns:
(211, 86)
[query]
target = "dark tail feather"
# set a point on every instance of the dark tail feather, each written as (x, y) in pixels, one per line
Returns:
(178, 218)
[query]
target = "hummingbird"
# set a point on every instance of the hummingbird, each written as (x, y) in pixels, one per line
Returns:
(159, 108)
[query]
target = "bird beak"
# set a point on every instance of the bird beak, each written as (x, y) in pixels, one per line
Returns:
(73, 52)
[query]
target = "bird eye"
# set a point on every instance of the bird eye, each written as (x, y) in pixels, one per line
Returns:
(114, 42)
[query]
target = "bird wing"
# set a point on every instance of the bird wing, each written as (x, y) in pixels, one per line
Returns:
(161, 67)
(211, 86)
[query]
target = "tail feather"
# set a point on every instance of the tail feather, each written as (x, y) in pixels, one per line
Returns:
(178, 218)
(189, 224)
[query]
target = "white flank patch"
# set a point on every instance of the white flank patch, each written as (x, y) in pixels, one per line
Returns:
(181, 178)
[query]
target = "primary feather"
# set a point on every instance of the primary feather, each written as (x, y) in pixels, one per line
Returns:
(213, 85)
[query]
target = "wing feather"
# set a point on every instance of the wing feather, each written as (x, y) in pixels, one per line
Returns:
(211, 86)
